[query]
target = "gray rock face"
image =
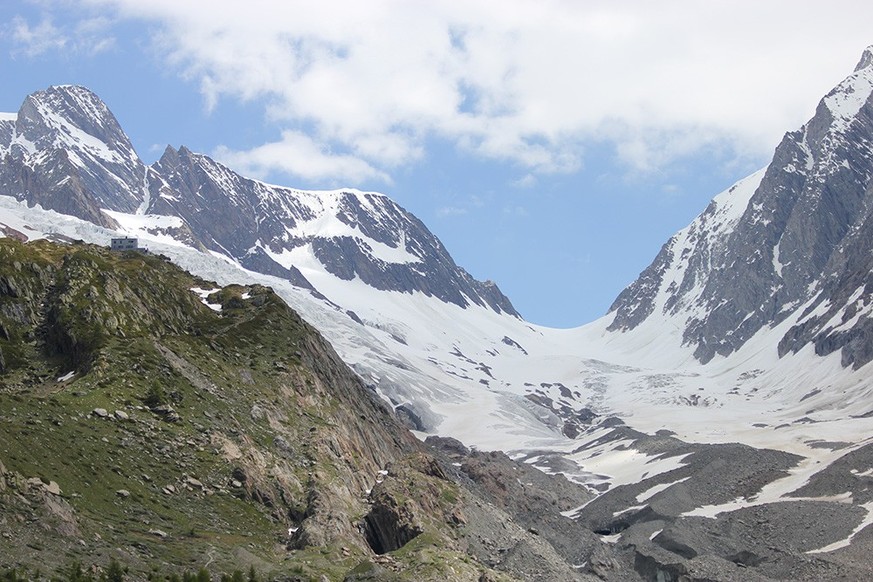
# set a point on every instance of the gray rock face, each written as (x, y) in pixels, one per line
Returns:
(799, 232)
(67, 152)
(535, 501)
(253, 222)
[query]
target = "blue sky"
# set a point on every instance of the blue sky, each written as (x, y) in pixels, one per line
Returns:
(552, 146)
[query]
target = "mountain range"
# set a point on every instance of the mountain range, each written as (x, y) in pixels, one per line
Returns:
(746, 343)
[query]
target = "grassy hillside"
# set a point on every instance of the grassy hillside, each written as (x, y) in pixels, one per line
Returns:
(154, 422)
(140, 424)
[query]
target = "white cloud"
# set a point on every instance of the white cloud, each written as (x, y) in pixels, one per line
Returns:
(298, 154)
(36, 40)
(86, 37)
(526, 181)
(518, 81)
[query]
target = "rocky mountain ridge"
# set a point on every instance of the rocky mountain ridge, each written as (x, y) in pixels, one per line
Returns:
(793, 237)
(65, 151)
(352, 234)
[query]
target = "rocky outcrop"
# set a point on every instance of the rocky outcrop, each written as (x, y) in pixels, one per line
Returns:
(535, 500)
(408, 501)
(175, 430)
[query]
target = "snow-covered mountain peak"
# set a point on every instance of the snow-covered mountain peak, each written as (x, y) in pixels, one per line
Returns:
(773, 242)
(673, 286)
(73, 117)
(345, 234)
(86, 162)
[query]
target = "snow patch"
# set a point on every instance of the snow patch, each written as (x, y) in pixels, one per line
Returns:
(71, 136)
(204, 295)
(777, 264)
(652, 491)
(846, 100)
(629, 509)
(868, 520)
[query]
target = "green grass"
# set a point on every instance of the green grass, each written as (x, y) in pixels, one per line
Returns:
(47, 429)
(129, 323)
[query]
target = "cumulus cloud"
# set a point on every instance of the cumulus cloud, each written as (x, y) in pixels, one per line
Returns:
(530, 83)
(299, 154)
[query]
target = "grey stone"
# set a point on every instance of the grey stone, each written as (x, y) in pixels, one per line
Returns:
(196, 483)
